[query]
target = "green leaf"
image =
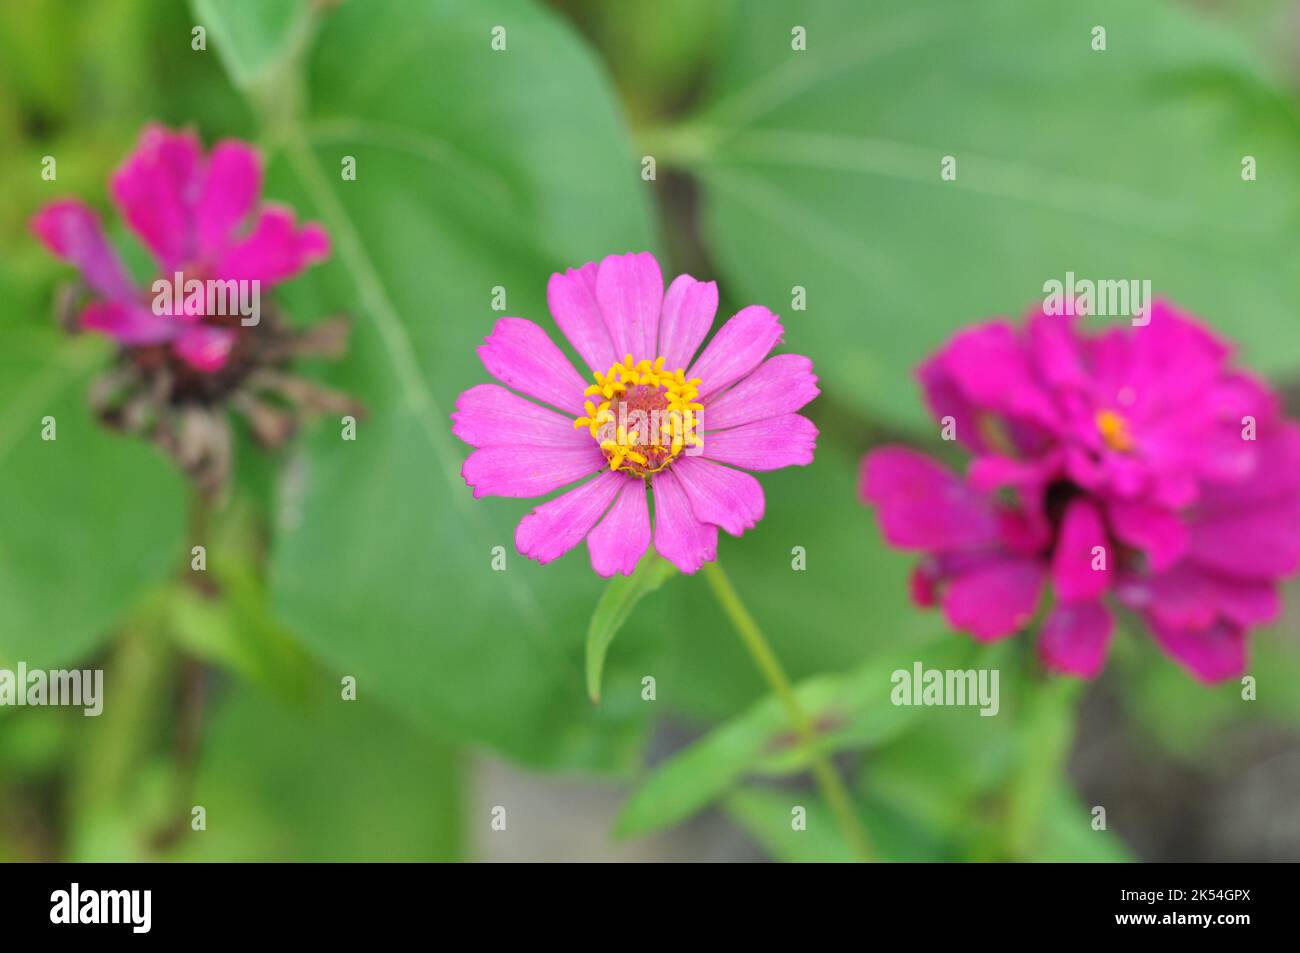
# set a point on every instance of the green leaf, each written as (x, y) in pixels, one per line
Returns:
(852, 710)
(237, 632)
(1067, 834)
(821, 169)
(976, 788)
(91, 519)
(344, 781)
(475, 170)
(766, 815)
(1208, 715)
(251, 36)
(616, 603)
(944, 770)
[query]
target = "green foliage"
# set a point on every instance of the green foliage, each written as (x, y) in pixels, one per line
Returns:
(477, 170)
(252, 37)
(622, 594)
(851, 710)
(90, 519)
(766, 814)
(848, 604)
(822, 169)
(384, 565)
(340, 781)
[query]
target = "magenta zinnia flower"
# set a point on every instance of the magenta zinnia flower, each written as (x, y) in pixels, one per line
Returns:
(1135, 465)
(199, 216)
(651, 413)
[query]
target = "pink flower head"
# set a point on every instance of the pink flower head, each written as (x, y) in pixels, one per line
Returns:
(652, 413)
(199, 216)
(1135, 464)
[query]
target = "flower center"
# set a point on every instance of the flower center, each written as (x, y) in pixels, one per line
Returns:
(1114, 430)
(646, 416)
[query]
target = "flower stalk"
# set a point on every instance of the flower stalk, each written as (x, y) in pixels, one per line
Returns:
(828, 780)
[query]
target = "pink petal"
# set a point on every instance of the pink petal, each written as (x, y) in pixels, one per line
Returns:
(922, 505)
(127, 324)
(1220, 454)
(1172, 359)
(1212, 654)
(678, 536)
(995, 599)
(1109, 355)
(992, 471)
(204, 347)
(1157, 531)
(689, 308)
(71, 230)
(1203, 436)
(554, 528)
(231, 185)
(156, 190)
(781, 385)
(1055, 346)
(572, 299)
(1082, 530)
(1189, 595)
(736, 349)
(768, 444)
(1274, 479)
(946, 399)
(630, 289)
(1075, 638)
(923, 584)
(623, 536)
(1260, 541)
(533, 471)
(520, 355)
(491, 416)
(991, 366)
(275, 250)
(719, 495)
(1248, 602)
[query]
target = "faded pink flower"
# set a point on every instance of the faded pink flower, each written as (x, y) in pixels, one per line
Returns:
(198, 215)
(1135, 464)
(652, 414)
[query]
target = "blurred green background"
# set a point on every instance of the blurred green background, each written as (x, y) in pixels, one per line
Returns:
(478, 168)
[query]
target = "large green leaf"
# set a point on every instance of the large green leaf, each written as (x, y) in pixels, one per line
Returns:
(821, 168)
(89, 519)
(252, 36)
(474, 169)
(345, 781)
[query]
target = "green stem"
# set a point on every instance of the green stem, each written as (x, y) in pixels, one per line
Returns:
(1045, 732)
(678, 146)
(828, 780)
(117, 744)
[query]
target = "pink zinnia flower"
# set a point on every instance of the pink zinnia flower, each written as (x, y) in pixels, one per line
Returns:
(199, 216)
(1135, 464)
(651, 414)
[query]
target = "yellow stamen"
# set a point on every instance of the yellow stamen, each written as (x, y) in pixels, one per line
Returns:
(1114, 430)
(646, 416)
